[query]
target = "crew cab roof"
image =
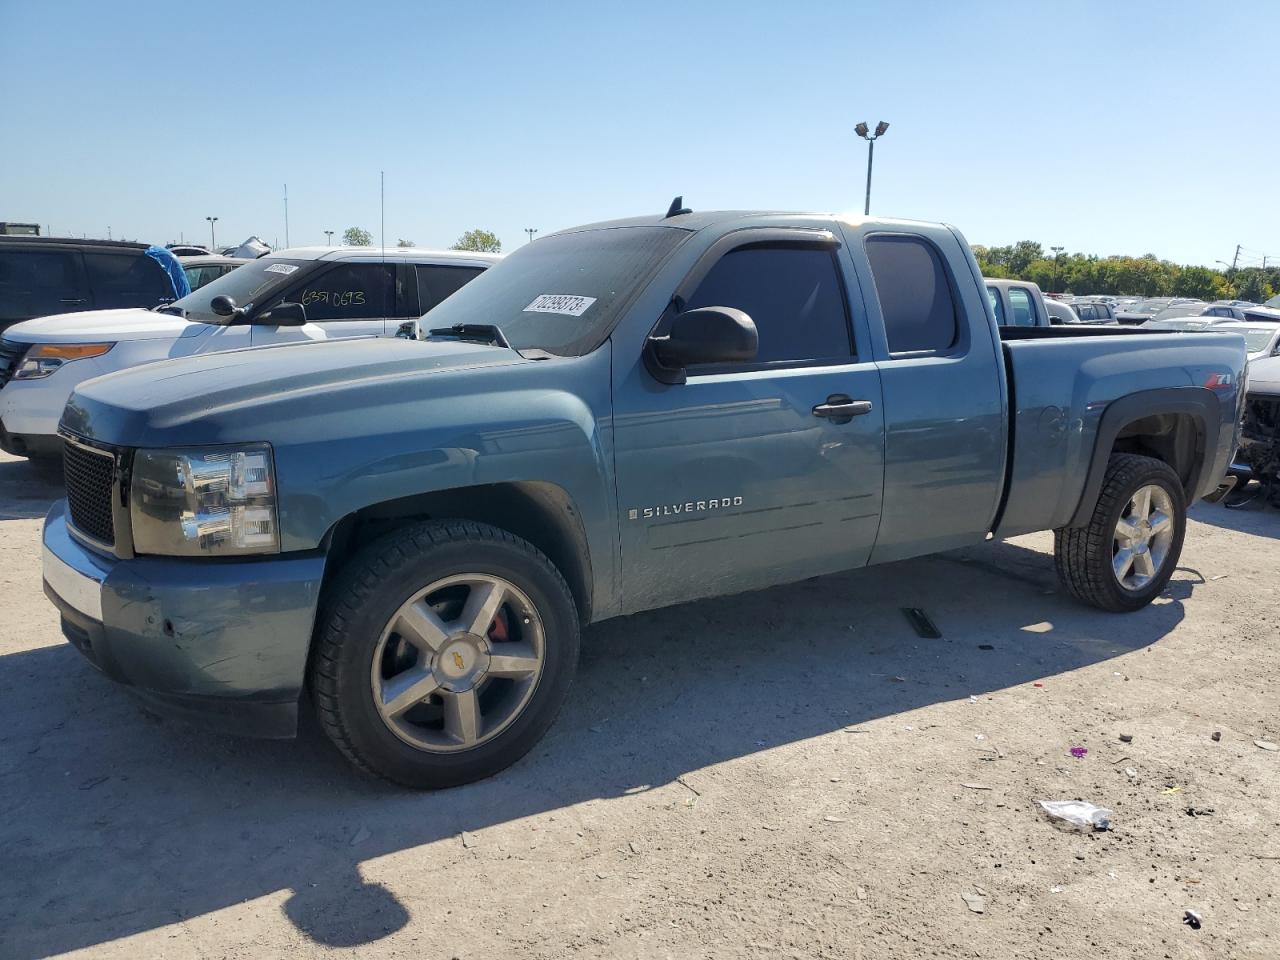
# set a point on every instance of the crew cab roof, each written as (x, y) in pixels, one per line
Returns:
(75, 241)
(700, 219)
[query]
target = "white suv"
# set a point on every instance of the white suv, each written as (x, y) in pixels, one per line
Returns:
(307, 293)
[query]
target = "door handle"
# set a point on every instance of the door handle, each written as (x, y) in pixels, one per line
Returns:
(841, 408)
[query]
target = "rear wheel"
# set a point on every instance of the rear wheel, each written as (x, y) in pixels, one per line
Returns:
(1122, 559)
(444, 653)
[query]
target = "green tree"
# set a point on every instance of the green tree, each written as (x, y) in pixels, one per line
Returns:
(1199, 282)
(405, 243)
(1024, 253)
(355, 237)
(479, 241)
(1251, 284)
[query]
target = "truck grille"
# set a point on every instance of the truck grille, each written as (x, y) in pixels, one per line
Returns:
(11, 353)
(89, 476)
(1260, 435)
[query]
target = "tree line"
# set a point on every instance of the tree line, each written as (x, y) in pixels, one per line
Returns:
(478, 241)
(1145, 276)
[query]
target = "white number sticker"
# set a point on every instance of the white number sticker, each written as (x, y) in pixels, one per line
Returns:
(568, 304)
(285, 268)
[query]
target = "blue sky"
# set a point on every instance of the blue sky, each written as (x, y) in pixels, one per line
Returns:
(1108, 127)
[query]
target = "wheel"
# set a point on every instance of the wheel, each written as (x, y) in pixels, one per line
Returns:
(443, 653)
(1128, 551)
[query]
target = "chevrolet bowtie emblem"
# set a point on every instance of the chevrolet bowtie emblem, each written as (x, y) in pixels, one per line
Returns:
(457, 661)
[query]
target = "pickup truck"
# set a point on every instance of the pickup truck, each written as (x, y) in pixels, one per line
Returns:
(615, 418)
(1018, 303)
(334, 292)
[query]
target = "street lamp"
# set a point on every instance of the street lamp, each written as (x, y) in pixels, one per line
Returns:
(1057, 255)
(871, 138)
(530, 231)
(213, 244)
(328, 238)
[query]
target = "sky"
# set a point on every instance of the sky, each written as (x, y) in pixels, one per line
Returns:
(1103, 127)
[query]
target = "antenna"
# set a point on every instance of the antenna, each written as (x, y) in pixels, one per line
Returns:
(382, 187)
(677, 208)
(286, 215)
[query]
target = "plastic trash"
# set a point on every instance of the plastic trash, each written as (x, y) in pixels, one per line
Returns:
(1077, 814)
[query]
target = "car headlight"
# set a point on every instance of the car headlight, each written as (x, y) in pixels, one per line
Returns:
(203, 501)
(45, 358)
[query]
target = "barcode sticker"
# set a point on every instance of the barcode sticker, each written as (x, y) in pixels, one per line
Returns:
(565, 303)
(285, 268)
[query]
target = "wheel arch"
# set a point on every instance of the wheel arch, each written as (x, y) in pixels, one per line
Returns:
(540, 512)
(1174, 425)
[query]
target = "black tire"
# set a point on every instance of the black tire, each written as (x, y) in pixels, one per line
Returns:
(1083, 555)
(359, 604)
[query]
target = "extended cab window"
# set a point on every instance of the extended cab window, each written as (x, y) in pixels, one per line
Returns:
(126, 280)
(791, 292)
(915, 297)
(997, 305)
(350, 291)
(436, 282)
(1024, 312)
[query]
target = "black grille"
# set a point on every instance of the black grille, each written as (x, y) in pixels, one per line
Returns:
(10, 356)
(88, 476)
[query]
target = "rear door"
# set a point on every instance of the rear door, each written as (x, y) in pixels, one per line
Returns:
(126, 279)
(37, 281)
(756, 473)
(943, 384)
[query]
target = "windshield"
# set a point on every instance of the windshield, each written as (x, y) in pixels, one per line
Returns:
(1195, 323)
(1148, 307)
(246, 285)
(1257, 339)
(562, 294)
(1183, 310)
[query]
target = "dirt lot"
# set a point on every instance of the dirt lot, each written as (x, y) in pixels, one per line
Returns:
(792, 773)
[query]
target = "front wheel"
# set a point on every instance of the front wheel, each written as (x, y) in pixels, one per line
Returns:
(444, 652)
(1122, 559)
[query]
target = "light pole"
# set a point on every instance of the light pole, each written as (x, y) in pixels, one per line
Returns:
(530, 231)
(328, 238)
(213, 244)
(871, 138)
(1057, 255)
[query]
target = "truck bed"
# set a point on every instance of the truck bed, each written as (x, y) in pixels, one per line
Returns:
(1062, 380)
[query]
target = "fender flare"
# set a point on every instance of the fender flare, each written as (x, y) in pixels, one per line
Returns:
(1199, 403)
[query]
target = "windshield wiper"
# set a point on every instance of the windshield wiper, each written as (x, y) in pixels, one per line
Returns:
(474, 332)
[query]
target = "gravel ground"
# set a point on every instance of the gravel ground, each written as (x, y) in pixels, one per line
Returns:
(790, 773)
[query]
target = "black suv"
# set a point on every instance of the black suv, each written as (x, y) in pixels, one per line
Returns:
(40, 276)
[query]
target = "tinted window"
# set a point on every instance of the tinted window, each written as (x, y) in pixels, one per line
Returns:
(1103, 311)
(915, 297)
(997, 305)
(126, 280)
(436, 282)
(37, 283)
(793, 295)
(350, 291)
(1088, 312)
(1024, 314)
(199, 276)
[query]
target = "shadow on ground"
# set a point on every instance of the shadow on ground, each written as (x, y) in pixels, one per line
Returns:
(1255, 515)
(118, 823)
(24, 493)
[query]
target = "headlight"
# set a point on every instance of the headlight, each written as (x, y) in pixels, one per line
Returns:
(45, 358)
(203, 501)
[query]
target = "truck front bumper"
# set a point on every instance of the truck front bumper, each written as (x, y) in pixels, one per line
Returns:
(220, 642)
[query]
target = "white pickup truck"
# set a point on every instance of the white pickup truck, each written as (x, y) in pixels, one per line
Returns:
(342, 292)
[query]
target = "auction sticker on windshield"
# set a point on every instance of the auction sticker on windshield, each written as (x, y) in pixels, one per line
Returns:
(285, 268)
(565, 303)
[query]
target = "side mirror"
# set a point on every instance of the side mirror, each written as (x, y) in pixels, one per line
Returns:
(224, 306)
(701, 336)
(285, 315)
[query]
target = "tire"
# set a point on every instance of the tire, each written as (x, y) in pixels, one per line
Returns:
(370, 611)
(1086, 557)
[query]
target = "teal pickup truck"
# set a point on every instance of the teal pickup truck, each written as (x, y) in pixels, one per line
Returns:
(616, 417)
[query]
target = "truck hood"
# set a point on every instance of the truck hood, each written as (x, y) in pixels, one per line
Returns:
(97, 325)
(1264, 377)
(229, 396)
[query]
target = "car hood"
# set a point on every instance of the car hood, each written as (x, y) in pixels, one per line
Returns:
(231, 396)
(94, 325)
(1264, 376)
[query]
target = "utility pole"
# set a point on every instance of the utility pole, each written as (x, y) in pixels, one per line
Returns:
(1057, 255)
(530, 231)
(1235, 259)
(863, 131)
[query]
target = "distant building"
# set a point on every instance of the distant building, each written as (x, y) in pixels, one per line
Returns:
(19, 229)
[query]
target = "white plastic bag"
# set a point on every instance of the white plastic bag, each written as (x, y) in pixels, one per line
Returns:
(1077, 814)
